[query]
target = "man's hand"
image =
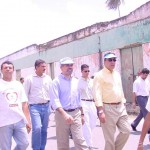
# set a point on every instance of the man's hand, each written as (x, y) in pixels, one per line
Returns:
(102, 117)
(133, 105)
(82, 119)
(140, 146)
(68, 118)
(28, 127)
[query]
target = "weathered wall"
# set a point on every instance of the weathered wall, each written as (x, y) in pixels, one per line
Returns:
(104, 36)
(91, 60)
(146, 56)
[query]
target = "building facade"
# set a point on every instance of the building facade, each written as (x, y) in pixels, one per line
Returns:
(128, 37)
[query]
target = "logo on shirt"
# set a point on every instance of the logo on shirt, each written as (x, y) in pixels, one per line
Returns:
(12, 97)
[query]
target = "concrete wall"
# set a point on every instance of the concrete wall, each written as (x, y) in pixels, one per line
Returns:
(87, 43)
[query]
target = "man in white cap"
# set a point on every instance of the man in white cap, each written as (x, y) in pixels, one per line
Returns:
(65, 99)
(110, 102)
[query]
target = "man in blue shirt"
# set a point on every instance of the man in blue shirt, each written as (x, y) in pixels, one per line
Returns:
(65, 99)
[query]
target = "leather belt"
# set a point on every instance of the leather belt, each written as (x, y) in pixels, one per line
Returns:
(40, 103)
(142, 96)
(70, 110)
(89, 100)
(113, 103)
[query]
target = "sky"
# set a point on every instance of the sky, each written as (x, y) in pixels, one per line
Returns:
(27, 22)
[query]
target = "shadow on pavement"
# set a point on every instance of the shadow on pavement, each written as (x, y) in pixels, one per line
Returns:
(52, 126)
(51, 138)
(136, 133)
(72, 148)
(146, 147)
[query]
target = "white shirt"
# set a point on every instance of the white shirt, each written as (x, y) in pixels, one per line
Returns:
(85, 88)
(141, 87)
(12, 95)
(38, 88)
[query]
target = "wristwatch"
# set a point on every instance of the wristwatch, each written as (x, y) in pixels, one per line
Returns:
(101, 111)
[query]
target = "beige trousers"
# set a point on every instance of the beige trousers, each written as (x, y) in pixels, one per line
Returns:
(63, 129)
(116, 116)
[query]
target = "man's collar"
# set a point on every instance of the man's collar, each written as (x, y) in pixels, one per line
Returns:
(107, 70)
(85, 78)
(63, 76)
(35, 75)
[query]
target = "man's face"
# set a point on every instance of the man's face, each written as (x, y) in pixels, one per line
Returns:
(85, 72)
(110, 63)
(67, 69)
(7, 70)
(144, 75)
(41, 68)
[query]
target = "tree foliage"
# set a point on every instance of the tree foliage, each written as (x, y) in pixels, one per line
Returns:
(114, 4)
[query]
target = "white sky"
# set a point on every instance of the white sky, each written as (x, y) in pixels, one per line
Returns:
(26, 22)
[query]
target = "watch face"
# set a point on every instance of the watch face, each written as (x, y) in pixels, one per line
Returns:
(101, 111)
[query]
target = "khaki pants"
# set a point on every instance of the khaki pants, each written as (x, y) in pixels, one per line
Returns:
(63, 129)
(116, 115)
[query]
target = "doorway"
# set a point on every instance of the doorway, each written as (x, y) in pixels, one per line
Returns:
(131, 64)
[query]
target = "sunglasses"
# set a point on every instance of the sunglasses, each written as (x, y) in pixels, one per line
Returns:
(111, 59)
(86, 71)
(145, 73)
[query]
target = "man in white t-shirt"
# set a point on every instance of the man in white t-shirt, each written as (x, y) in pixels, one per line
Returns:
(140, 94)
(15, 118)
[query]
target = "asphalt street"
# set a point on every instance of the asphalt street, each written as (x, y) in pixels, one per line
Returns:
(98, 139)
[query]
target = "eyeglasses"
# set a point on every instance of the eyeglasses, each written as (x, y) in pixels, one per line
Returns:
(86, 71)
(111, 59)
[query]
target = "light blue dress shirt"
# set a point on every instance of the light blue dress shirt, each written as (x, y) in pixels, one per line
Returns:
(65, 93)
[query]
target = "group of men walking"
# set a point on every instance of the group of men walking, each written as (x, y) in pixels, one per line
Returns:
(77, 104)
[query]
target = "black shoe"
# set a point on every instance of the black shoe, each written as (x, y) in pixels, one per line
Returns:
(148, 131)
(70, 136)
(133, 127)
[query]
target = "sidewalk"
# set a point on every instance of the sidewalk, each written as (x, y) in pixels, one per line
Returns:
(98, 140)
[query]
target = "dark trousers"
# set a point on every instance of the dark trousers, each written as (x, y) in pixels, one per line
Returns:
(142, 101)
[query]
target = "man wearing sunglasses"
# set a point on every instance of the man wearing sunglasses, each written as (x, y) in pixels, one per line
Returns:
(65, 99)
(87, 102)
(109, 99)
(140, 94)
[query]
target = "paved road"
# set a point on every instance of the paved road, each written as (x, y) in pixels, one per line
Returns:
(98, 139)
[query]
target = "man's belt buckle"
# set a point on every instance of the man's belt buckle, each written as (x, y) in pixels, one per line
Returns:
(113, 103)
(70, 110)
(89, 100)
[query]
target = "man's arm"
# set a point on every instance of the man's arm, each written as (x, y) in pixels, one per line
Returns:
(27, 86)
(134, 96)
(97, 89)
(134, 100)
(27, 115)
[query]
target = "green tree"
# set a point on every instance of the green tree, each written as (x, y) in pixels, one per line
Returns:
(114, 4)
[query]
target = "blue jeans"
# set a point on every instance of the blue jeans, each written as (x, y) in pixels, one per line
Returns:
(18, 131)
(40, 118)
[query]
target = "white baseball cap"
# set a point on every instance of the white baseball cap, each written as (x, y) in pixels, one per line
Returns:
(110, 55)
(66, 60)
